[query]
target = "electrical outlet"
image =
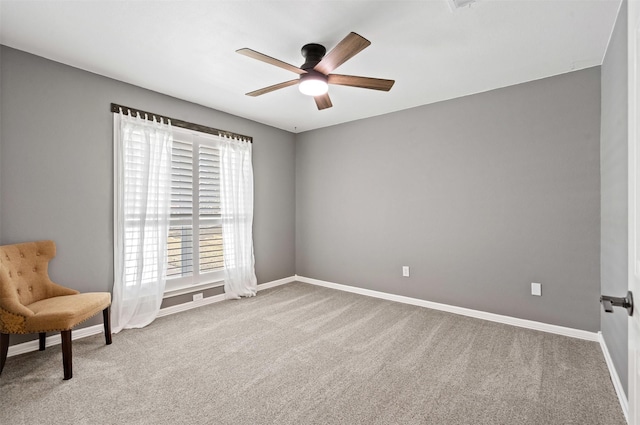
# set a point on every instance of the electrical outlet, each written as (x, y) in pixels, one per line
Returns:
(536, 289)
(405, 271)
(198, 297)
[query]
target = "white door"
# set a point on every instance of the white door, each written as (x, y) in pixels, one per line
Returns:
(634, 208)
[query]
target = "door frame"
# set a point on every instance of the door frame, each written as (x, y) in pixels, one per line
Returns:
(633, 45)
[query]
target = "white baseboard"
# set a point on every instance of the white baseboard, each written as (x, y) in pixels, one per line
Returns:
(189, 305)
(617, 385)
(514, 321)
(28, 346)
(275, 283)
(34, 345)
(216, 298)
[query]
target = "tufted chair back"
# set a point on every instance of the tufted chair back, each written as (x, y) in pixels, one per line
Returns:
(24, 271)
(24, 279)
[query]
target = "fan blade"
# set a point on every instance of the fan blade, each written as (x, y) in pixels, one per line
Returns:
(323, 101)
(362, 82)
(272, 88)
(350, 46)
(268, 59)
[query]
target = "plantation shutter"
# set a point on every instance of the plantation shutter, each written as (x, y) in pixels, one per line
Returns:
(210, 227)
(180, 243)
(195, 249)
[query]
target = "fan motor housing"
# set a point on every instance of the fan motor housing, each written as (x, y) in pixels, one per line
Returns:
(313, 53)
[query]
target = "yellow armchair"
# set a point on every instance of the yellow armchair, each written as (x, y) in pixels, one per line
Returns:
(31, 303)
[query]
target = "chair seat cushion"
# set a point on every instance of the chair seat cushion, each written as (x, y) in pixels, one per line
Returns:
(65, 312)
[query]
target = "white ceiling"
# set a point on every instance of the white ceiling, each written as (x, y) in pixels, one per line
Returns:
(187, 49)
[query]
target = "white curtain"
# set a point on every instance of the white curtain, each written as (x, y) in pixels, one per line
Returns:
(236, 199)
(142, 200)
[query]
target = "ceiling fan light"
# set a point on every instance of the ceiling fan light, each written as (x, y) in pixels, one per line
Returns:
(313, 86)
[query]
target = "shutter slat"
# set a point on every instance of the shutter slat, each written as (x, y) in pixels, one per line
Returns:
(209, 185)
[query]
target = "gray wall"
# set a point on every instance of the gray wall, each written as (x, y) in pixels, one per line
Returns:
(480, 196)
(56, 169)
(613, 171)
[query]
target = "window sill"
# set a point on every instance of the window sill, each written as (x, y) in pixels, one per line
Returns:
(192, 288)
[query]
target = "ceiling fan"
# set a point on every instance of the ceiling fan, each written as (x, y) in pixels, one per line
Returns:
(315, 73)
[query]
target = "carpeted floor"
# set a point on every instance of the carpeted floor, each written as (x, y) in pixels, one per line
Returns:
(300, 354)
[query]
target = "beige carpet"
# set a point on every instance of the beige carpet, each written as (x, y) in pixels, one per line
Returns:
(299, 354)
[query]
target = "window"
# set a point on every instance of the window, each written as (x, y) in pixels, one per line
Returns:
(194, 248)
(178, 187)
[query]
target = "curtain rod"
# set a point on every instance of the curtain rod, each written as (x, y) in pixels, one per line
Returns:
(183, 124)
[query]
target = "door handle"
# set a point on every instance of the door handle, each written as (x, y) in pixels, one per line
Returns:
(609, 302)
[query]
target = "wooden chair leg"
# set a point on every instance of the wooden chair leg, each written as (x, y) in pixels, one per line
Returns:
(43, 340)
(4, 349)
(106, 317)
(66, 354)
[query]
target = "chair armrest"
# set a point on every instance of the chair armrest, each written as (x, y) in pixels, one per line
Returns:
(13, 306)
